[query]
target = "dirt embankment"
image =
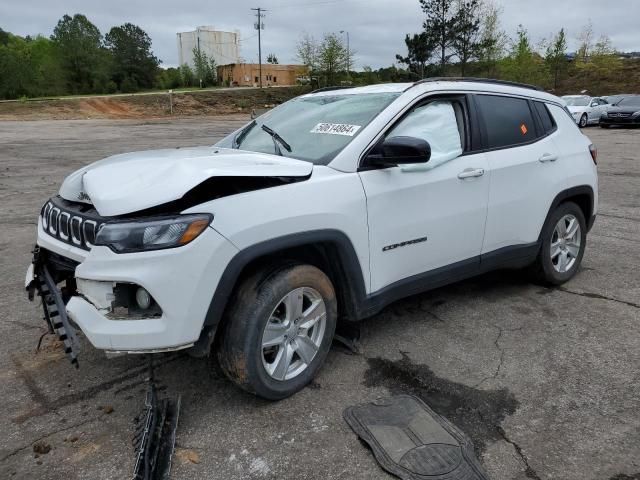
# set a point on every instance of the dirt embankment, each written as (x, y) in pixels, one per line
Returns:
(209, 102)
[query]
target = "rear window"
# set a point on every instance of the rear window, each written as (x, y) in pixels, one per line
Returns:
(507, 120)
(548, 124)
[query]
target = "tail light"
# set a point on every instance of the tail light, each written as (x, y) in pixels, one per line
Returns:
(594, 153)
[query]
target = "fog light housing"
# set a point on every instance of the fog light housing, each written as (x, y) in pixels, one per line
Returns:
(143, 299)
(133, 302)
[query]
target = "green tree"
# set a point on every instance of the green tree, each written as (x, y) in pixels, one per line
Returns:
(332, 57)
(369, 77)
(49, 76)
(29, 68)
(556, 57)
(604, 61)
(493, 39)
(4, 37)
(523, 64)
(83, 59)
(17, 73)
(271, 58)
(585, 40)
(204, 68)
(187, 77)
(466, 40)
(420, 49)
(440, 27)
(168, 78)
(308, 52)
(133, 61)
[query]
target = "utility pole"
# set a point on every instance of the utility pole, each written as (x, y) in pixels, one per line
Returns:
(348, 55)
(199, 55)
(259, 26)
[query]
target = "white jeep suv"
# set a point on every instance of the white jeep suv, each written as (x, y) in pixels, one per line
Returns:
(321, 211)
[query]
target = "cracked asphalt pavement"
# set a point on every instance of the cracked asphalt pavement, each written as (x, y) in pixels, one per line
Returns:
(545, 381)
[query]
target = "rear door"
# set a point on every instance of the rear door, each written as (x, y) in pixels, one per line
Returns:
(526, 169)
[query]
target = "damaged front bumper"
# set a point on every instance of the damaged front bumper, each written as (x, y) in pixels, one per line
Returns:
(40, 279)
(180, 281)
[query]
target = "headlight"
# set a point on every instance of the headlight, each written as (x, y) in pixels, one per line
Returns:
(636, 114)
(152, 234)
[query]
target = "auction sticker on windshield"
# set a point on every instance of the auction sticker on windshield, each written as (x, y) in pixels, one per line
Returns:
(336, 129)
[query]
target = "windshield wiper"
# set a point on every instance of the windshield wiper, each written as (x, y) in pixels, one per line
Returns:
(237, 140)
(277, 138)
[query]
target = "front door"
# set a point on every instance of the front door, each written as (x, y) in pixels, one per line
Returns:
(422, 217)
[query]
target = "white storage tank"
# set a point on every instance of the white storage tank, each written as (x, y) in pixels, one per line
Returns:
(223, 47)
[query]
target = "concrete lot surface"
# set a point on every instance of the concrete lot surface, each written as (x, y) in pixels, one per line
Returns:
(545, 381)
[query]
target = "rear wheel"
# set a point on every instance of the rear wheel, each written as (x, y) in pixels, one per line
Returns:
(564, 238)
(279, 331)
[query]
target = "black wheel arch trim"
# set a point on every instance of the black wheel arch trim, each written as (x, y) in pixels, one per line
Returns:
(348, 260)
(570, 193)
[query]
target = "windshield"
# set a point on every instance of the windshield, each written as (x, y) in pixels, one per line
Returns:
(629, 102)
(577, 101)
(316, 128)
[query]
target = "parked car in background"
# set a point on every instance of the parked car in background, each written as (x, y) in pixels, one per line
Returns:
(625, 112)
(586, 110)
(613, 99)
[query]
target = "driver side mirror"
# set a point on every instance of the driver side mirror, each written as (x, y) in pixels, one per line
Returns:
(594, 104)
(395, 151)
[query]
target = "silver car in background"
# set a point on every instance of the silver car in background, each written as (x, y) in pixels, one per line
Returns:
(586, 110)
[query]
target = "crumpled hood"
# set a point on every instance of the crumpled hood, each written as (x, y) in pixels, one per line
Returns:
(135, 181)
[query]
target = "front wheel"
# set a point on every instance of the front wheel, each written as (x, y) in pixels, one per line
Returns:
(564, 238)
(583, 121)
(279, 330)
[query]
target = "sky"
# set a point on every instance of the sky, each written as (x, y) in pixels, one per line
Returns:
(376, 27)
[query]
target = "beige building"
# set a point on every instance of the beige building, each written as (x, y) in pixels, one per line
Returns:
(248, 74)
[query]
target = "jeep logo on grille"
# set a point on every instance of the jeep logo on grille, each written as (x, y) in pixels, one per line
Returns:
(69, 226)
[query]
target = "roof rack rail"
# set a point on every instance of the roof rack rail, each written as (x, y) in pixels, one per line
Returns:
(329, 89)
(478, 80)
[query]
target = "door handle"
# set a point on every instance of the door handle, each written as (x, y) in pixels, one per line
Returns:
(470, 173)
(548, 157)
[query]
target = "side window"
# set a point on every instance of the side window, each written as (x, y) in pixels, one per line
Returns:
(603, 102)
(441, 123)
(548, 124)
(507, 120)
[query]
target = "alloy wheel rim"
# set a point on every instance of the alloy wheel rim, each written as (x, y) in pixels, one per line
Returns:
(565, 243)
(293, 334)
(583, 121)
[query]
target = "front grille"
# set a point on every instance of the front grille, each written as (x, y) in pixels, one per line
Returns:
(619, 115)
(74, 224)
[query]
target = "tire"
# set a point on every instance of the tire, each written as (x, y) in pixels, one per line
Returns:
(584, 120)
(263, 312)
(548, 268)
